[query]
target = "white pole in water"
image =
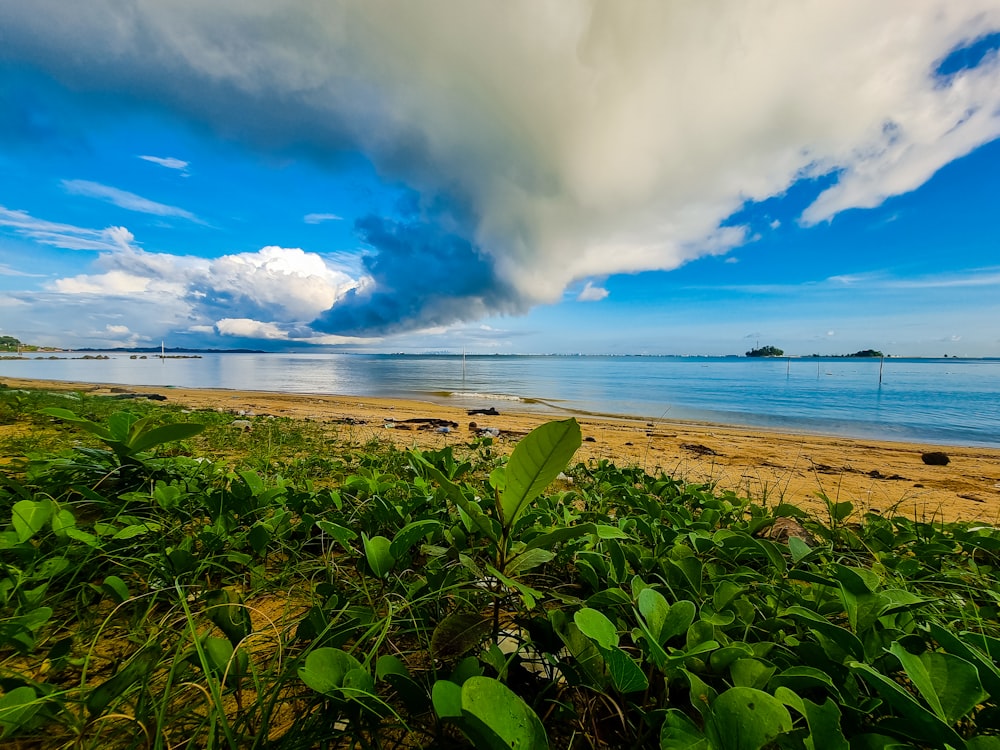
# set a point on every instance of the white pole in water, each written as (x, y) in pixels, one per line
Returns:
(881, 364)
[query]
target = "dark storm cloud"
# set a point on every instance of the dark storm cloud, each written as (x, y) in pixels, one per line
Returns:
(422, 277)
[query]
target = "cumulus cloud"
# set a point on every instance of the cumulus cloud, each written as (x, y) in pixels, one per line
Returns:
(591, 293)
(286, 287)
(124, 199)
(247, 328)
(549, 142)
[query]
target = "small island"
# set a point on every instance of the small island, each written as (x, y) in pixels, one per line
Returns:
(766, 351)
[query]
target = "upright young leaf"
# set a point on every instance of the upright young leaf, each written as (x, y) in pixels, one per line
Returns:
(535, 462)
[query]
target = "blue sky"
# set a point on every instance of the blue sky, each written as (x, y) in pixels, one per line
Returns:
(524, 177)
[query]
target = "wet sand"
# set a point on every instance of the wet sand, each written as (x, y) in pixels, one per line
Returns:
(769, 467)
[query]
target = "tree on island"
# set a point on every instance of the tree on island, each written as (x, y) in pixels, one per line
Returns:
(766, 351)
(867, 353)
(9, 344)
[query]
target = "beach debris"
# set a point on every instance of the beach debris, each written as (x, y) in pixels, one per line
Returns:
(491, 412)
(701, 450)
(935, 458)
(241, 424)
(490, 432)
(422, 423)
(129, 395)
(590, 439)
(473, 426)
(443, 430)
(785, 528)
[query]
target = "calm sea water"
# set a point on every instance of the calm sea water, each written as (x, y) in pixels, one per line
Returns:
(943, 401)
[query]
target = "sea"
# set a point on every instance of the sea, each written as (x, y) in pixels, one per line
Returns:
(938, 401)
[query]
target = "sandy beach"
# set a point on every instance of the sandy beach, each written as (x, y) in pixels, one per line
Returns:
(767, 466)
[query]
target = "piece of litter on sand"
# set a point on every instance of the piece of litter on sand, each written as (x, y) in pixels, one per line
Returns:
(443, 430)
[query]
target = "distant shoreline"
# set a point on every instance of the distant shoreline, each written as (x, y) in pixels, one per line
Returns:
(774, 465)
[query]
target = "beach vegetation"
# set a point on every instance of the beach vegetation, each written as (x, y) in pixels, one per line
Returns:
(167, 580)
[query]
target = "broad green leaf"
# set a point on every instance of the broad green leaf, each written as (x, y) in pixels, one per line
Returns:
(625, 673)
(586, 661)
(597, 626)
(459, 633)
(447, 699)
(86, 424)
(550, 539)
(471, 509)
(983, 742)
(743, 718)
(701, 695)
(604, 531)
(62, 522)
(29, 516)
(410, 534)
(342, 534)
(528, 595)
(390, 668)
(823, 720)
(921, 722)
(141, 667)
(165, 434)
(226, 609)
(116, 588)
(325, 669)
(218, 653)
(989, 673)
(845, 639)
(358, 684)
(380, 559)
(17, 707)
(535, 462)
(496, 716)
(840, 511)
(949, 684)
(527, 560)
(751, 673)
(799, 549)
(679, 733)
(137, 529)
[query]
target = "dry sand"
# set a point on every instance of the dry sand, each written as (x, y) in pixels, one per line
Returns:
(767, 466)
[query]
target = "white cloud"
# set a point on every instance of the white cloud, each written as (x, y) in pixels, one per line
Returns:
(65, 236)
(591, 293)
(167, 161)
(320, 218)
(6, 270)
(124, 199)
(578, 139)
(257, 329)
(247, 328)
(117, 329)
(295, 282)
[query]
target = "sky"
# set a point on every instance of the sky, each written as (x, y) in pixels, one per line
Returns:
(533, 176)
